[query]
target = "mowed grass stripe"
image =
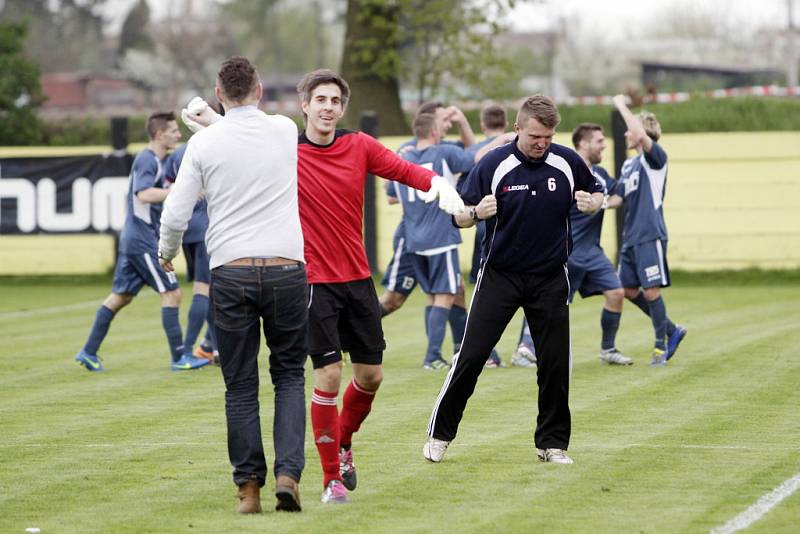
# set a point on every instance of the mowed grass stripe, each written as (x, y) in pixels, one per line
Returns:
(730, 385)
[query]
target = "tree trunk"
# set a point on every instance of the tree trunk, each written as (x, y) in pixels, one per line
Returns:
(379, 92)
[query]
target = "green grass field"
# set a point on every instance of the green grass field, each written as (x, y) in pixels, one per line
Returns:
(684, 448)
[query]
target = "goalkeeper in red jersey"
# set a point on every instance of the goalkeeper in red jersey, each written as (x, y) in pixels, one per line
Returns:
(344, 313)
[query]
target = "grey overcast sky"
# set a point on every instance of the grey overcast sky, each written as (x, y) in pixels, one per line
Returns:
(617, 14)
(613, 14)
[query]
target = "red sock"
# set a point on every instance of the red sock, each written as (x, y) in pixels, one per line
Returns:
(325, 422)
(356, 404)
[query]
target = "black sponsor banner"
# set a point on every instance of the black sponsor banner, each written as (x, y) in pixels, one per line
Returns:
(80, 194)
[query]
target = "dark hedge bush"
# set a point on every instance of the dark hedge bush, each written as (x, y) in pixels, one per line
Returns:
(744, 114)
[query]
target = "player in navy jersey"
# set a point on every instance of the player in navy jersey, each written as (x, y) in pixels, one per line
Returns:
(197, 266)
(643, 266)
(524, 190)
(493, 124)
(397, 280)
(401, 266)
(137, 261)
(429, 237)
(590, 271)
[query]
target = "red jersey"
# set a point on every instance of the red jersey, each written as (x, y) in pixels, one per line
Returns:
(330, 192)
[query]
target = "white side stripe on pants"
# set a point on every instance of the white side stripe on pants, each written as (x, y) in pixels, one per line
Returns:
(154, 273)
(661, 268)
(451, 272)
(396, 264)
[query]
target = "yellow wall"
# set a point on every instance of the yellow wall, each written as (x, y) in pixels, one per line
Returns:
(732, 202)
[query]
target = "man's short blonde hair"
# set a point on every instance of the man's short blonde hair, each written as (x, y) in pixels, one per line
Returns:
(651, 125)
(539, 107)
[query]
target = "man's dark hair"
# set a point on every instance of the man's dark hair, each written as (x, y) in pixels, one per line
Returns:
(493, 117)
(584, 131)
(539, 107)
(237, 78)
(318, 77)
(424, 123)
(157, 122)
(430, 107)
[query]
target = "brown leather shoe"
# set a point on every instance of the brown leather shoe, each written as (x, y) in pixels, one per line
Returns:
(286, 491)
(250, 497)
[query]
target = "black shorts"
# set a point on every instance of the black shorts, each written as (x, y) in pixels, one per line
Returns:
(345, 317)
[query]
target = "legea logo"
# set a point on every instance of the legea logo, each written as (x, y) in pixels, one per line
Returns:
(509, 188)
(98, 206)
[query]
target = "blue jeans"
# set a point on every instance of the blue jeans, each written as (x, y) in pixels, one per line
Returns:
(242, 298)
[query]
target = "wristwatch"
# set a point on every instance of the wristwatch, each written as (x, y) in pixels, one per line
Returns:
(161, 256)
(473, 213)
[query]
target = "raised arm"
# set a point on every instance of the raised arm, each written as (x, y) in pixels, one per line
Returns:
(464, 129)
(635, 128)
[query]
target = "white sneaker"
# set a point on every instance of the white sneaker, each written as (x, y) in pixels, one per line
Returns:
(523, 357)
(434, 449)
(556, 456)
(614, 357)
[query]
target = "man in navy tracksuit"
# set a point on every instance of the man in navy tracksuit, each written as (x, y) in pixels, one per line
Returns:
(524, 192)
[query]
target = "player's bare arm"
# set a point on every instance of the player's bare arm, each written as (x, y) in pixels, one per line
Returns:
(464, 129)
(614, 201)
(153, 195)
(635, 129)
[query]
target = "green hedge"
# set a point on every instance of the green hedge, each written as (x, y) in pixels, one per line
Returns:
(94, 131)
(86, 131)
(744, 114)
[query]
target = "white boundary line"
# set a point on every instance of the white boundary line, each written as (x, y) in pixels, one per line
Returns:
(46, 311)
(58, 309)
(760, 508)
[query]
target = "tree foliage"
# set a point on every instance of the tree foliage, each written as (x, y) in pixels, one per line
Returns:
(20, 93)
(285, 36)
(134, 29)
(446, 49)
(438, 48)
(185, 55)
(65, 35)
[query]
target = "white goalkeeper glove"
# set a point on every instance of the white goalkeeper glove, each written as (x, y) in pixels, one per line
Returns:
(198, 114)
(449, 199)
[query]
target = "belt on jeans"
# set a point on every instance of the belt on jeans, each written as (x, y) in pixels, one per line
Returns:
(262, 262)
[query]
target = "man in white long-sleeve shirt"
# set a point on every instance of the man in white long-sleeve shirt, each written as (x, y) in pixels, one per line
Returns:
(246, 165)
